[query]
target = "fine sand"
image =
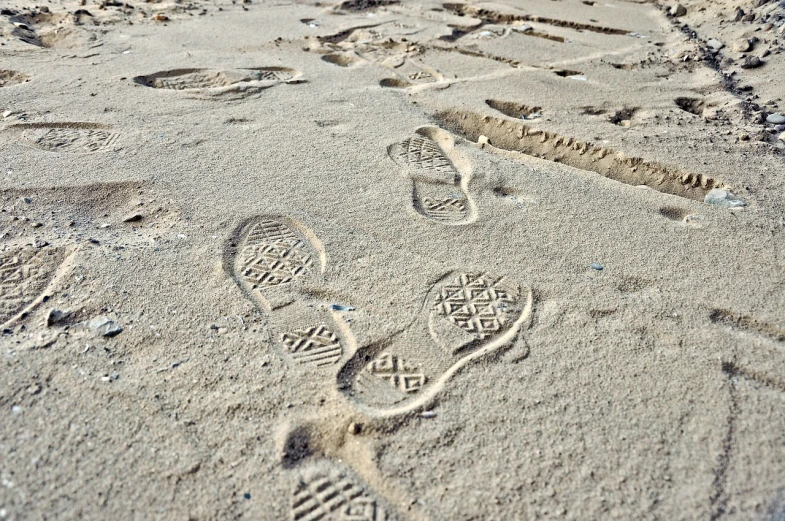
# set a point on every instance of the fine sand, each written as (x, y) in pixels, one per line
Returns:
(381, 260)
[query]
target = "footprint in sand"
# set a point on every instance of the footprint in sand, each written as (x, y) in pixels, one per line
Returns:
(8, 78)
(440, 176)
(466, 315)
(331, 492)
(238, 83)
(26, 273)
(78, 138)
(411, 73)
(276, 261)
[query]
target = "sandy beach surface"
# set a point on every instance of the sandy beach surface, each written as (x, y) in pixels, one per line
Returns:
(381, 260)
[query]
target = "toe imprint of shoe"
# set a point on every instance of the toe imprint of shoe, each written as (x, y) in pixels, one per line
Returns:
(478, 303)
(424, 156)
(272, 255)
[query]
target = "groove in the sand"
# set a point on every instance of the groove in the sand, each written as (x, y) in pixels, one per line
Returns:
(516, 137)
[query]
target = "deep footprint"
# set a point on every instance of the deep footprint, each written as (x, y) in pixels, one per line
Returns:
(465, 316)
(439, 189)
(276, 261)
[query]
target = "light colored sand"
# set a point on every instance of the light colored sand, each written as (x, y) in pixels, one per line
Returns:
(353, 281)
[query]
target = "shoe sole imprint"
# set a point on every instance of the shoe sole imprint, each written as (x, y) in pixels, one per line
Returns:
(468, 315)
(68, 137)
(273, 259)
(26, 276)
(439, 187)
(332, 493)
(220, 83)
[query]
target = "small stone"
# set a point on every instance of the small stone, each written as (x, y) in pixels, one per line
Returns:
(160, 18)
(55, 316)
(428, 414)
(105, 326)
(751, 62)
(678, 10)
(742, 45)
(781, 137)
(40, 243)
(779, 128)
(26, 200)
(715, 45)
(7, 113)
(483, 140)
(355, 428)
(43, 9)
(775, 119)
(34, 389)
(723, 198)
(133, 218)
(596, 266)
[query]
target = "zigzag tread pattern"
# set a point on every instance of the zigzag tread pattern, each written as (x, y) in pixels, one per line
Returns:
(334, 497)
(316, 345)
(448, 209)
(424, 154)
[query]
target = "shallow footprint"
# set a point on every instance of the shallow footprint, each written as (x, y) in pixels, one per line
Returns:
(225, 83)
(439, 184)
(277, 262)
(71, 137)
(328, 491)
(466, 315)
(26, 272)
(409, 73)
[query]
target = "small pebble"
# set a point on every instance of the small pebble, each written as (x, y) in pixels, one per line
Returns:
(133, 218)
(782, 137)
(339, 307)
(751, 62)
(355, 428)
(775, 119)
(428, 414)
(742, 45)
(596, 266)
(678, 10)
(715, 44)
(723, 198)
(105, 326)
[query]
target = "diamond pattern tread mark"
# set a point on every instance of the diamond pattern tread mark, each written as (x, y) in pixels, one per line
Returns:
(477, 303)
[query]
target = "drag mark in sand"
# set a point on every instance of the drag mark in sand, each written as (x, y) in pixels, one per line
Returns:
(495, 17)
(747, 324)
(516, 137)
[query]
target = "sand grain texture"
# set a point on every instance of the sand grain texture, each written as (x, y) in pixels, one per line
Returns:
(390, 260)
